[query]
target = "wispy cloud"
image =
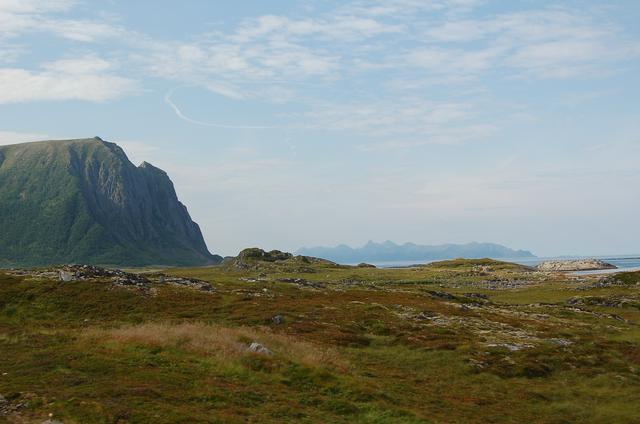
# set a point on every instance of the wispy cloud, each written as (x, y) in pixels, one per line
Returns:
(540, 44)
(414, 44)
(343, 27)
(401, 123)
(86, 78)
(370, 67)
(169, 100)
(31, 16)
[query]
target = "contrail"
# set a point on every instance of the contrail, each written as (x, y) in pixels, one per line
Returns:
(176, 109)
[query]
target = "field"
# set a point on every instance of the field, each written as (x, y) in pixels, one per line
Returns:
(463, 341)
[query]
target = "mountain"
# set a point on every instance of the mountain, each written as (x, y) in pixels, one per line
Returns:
(83, 201)
(389, 251)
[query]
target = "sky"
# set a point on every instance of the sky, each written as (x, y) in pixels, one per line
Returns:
(301, 123)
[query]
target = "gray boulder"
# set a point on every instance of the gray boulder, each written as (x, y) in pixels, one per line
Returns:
(66, 276)
(258, 348)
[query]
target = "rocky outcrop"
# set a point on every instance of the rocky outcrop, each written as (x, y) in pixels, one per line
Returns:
(575, 265)
(614, 301)
(144, 282)
(83, 201)
(192, 283)
(255, 253)
(256, 258)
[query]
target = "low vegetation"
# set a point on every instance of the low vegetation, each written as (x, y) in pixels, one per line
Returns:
(223, 343)
(291, 340)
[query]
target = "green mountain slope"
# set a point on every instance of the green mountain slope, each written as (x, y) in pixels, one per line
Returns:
(83, 201)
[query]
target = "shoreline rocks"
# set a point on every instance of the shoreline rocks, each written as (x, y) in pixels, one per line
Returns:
(575, 265)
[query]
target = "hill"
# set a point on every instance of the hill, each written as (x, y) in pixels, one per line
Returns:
(84, 201)
(389, 251)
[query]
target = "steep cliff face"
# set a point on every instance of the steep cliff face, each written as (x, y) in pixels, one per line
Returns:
(84, 201)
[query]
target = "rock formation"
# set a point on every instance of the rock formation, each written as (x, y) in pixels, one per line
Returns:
(575, 265)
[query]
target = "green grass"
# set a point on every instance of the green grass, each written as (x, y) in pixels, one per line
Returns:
(373, 346)
(467, 263)
(629, 278)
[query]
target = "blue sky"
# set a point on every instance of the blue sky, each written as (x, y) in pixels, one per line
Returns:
(293, 123)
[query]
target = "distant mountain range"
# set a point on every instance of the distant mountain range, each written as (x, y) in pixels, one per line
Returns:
(83, 201)
(389, 251)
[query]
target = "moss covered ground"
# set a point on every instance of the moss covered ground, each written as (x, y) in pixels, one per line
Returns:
(454, 342)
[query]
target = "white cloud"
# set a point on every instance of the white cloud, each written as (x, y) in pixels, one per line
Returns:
(403, 8)
(455, 61)
(546, 43)
(9, 52)
(19, 17)
(83, 65)
(81, 30)
(337, 27)
(371, 52)
(220, 60)
(34, 6)
(526, 26)
(559, 59)
(400, 124)
(267, 48)
(415, 43)
(86, 78)
(233, 70)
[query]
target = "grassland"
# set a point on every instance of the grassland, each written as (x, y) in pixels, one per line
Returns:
(455, 342)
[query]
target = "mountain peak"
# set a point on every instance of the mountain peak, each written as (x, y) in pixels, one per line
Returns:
(149, 167)
(83, 201)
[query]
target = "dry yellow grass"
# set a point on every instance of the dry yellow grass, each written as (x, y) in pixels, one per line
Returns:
(225, 343)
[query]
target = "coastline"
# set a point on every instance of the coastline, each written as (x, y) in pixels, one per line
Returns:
(623, 262)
